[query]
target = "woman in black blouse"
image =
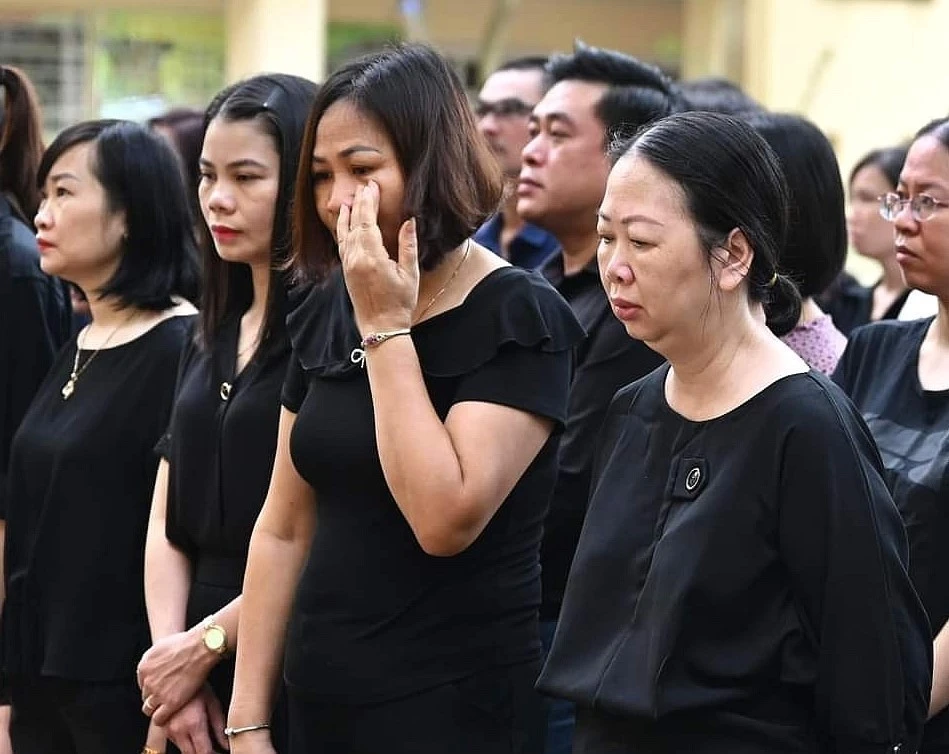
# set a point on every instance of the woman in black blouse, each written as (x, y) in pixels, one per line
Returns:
(849, 303)
(34, 307)
(114, 221)
(415, 455)
(897, 374)
(218, 453)
(740, 585)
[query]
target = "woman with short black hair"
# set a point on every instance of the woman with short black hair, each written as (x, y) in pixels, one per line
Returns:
(415, 455)
(740, 585)
(114, 221)
(34, 307)
(815, 249)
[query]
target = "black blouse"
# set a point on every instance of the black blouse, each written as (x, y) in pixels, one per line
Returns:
(880, 372)
(740, 585)
(35, 323)
(375, 616)
(220, 448)
(82, 472)
(850, 304)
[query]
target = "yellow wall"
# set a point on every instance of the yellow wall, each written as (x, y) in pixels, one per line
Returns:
(288, 36)
(869, 72)
(29, 8)
(640, 27)
(714, 38)
(649, 28)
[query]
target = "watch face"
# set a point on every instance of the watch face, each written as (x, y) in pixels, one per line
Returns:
(214, 638)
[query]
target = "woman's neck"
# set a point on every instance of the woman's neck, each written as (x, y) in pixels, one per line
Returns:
(108, 313)
(713, 375)
(939, 331)
(892, 279)
(260, 280)
(810, 311)
(933, 362)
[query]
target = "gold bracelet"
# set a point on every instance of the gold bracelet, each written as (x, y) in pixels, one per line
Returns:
(150, 750)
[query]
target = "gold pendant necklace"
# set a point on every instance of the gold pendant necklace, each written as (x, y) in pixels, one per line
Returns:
(70, 387)
(226, 387)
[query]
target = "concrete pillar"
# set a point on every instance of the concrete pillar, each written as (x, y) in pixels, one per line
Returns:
(276, 36)
(715, 37)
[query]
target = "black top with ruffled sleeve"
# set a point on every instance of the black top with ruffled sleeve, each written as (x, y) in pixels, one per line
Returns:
(375, 617)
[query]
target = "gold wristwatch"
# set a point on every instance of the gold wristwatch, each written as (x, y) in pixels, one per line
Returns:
(214, 636)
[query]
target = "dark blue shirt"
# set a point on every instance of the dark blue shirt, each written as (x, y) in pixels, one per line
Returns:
(530, 248)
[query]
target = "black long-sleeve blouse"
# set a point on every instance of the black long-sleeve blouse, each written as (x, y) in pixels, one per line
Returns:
(741, 585)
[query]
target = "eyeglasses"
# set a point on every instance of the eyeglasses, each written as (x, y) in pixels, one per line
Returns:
(922, 206)
(504, 108)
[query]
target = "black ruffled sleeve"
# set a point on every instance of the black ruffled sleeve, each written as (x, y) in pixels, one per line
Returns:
(315, 313)
(509, 342)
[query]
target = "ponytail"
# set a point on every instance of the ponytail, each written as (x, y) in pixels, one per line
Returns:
(782, 304)
(21, 141)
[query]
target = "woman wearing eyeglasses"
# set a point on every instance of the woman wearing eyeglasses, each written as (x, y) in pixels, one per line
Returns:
(897, 373)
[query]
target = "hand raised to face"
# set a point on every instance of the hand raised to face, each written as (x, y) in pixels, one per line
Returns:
(384, 291)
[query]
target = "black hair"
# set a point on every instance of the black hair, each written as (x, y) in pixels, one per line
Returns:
(525, 63)
(938, 129)
(21, 141)
(637, 93)
(717, 95)
(186, 127)
(816, 246)
(731, 179)
(279, 104)
(452, 180)
(139, 172)
(889, 161)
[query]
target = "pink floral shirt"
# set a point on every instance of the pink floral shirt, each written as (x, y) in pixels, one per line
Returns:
(818, 342)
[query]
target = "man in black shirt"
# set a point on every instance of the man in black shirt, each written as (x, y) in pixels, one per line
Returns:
(562, 182)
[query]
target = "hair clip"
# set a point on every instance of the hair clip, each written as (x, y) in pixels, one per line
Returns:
(271, 98)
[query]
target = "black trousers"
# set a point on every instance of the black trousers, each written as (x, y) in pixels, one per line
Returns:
(494, 712)
(59, 716)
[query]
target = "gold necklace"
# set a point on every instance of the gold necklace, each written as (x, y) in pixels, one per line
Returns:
(445, 287)
(70, 387)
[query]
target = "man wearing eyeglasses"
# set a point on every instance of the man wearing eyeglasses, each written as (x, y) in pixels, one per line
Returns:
(503, 110)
